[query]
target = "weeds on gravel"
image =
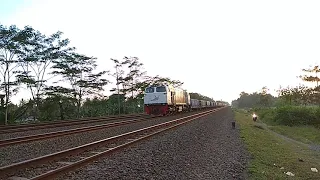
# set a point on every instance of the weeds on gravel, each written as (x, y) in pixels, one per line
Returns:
(273, 156)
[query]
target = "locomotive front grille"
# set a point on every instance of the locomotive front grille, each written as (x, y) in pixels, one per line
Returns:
(156, 111)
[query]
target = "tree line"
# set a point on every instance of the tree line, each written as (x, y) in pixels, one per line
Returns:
(256, 99)
(39, 63)
(297, 96)
(298, 105)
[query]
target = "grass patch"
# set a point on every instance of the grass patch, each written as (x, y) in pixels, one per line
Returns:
(276, 119)
(268, 149)
(305, 134)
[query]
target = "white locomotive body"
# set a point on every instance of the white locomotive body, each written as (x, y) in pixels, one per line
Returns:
(164, 99)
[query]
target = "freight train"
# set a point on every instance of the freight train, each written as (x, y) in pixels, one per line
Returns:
(165, 100)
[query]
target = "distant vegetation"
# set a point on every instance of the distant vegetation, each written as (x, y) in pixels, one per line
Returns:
(38, 63)
(256, 99)
(199, 96)
(294, 106)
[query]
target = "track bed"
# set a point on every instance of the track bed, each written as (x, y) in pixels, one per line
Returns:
(207, 148)
(21, 152)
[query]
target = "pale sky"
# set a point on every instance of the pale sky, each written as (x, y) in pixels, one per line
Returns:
(217, 48)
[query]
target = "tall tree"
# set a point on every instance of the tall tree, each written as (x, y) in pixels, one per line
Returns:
(315, 92)
(299, 95)
(264, 97)
(13, 41)
(119, 75)
(78, 70)
(134, 76)
(37, 59)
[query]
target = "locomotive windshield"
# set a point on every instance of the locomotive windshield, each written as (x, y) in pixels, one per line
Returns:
(150, 90)
(161, 89)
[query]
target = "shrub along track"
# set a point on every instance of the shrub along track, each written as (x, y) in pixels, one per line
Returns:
(84, 154)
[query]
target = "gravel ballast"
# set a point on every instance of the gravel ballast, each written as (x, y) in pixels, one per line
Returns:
(20, 152)
(207, 148)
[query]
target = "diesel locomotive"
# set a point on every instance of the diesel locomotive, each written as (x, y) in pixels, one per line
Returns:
(166, 99)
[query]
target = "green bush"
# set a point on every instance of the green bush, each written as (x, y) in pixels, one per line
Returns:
(295, 115)
(267, 115)
(290, 115)
(317, 114)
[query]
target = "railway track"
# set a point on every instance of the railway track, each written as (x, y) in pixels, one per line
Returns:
(25, 139)
(20, 128)
(12, 126)
(53, 165)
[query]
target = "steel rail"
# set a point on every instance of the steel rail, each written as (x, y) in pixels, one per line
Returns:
(83, 148)
(25, 139)
(13, 126)
(64, 124)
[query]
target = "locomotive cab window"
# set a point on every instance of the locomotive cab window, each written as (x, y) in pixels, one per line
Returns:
(161, 89)
(149, 90)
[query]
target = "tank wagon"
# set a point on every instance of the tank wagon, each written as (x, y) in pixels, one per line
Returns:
(165, 99)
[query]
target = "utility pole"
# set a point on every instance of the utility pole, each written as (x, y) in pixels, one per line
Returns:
(118, 89)
(61, 109)
(2, 108)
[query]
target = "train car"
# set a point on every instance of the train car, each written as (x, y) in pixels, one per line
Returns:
(208, 104)
(165, 99)
(220, 104)
(213, 103)
(195, 104)
(203, 104)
